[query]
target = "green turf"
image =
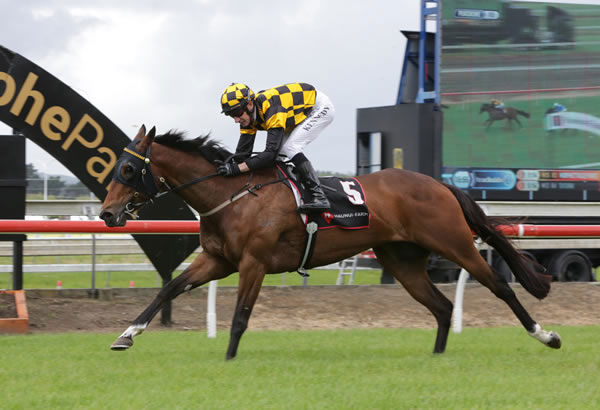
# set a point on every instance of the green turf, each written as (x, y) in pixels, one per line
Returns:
(83, 280)
(352, 369)
(467, 142)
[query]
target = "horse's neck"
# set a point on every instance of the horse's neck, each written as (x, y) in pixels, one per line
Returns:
(181, 168)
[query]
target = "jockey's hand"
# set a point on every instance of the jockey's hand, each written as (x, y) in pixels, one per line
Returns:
(229, 169)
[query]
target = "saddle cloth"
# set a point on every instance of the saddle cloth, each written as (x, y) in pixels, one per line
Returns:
(348, 201)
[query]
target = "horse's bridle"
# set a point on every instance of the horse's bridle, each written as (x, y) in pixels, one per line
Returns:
(143, 179)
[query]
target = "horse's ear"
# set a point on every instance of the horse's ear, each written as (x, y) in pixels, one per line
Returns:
(152, 133)
(148, 139)
(141, 133)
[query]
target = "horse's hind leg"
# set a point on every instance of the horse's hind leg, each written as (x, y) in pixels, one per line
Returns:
(457, 246)
(408, 263)
(203, 269)
(480, 270)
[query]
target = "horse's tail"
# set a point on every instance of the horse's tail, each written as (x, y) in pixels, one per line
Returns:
(523, 113)
(486, 228)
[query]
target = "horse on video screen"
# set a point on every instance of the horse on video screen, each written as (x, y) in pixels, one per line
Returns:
(411, 216)
(496, 114)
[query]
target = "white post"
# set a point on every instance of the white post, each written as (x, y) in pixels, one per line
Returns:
(458, 301)
(211, 310)
(460, 294)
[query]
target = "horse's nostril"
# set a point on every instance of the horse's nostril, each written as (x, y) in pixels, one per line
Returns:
(105, 215)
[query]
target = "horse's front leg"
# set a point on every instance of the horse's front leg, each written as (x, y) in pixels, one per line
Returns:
(252, 274)
(203, 269)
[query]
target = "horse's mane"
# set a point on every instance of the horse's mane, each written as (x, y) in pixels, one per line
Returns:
(203, 145)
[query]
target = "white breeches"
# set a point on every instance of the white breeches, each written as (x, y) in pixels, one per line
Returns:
(308, 130)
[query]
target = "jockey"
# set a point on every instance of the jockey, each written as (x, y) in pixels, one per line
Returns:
(293, 116)
(497, 104)
(556, 107)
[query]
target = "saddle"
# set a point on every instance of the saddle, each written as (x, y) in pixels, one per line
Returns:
(348, 201)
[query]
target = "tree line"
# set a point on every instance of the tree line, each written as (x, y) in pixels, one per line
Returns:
(56, 187)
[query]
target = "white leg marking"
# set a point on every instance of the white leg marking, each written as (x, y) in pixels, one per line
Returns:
(134, 330)
(542, 335)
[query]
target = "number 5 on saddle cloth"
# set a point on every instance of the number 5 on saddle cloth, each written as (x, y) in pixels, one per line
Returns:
(348, 207)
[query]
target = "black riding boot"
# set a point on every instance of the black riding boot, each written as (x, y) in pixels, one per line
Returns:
(309, 178)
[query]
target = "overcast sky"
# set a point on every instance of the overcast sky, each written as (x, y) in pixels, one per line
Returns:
(166, 63)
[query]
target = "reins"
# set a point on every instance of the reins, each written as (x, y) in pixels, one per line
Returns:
(245, 190)
(182, 186)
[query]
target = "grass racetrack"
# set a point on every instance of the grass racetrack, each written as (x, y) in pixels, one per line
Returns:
(376, 368)
(82, 280)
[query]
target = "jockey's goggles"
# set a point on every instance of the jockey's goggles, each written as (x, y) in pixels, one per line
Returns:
(237, 112)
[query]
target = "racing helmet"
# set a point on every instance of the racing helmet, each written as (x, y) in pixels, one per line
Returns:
(495, 102)
(235, 98)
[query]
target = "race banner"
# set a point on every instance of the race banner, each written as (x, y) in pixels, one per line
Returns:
(573, 120)
(63, 123)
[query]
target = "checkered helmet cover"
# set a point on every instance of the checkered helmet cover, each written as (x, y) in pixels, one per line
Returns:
(236, 96)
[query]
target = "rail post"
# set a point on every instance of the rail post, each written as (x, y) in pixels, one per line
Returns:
(165, 313)
(17, 278)
(211, 310)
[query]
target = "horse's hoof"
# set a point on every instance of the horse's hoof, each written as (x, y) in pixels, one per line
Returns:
(554, 341)
(550, 339)
(122, 343)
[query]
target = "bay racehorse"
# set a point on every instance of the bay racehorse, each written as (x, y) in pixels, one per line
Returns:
(507, 113)
(412, 215)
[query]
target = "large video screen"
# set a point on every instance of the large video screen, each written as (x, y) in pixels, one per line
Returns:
(520, 88)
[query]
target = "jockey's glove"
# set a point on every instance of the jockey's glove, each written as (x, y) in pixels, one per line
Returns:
(229, 169)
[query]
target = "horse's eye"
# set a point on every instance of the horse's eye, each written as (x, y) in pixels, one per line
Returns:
(128, 171)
